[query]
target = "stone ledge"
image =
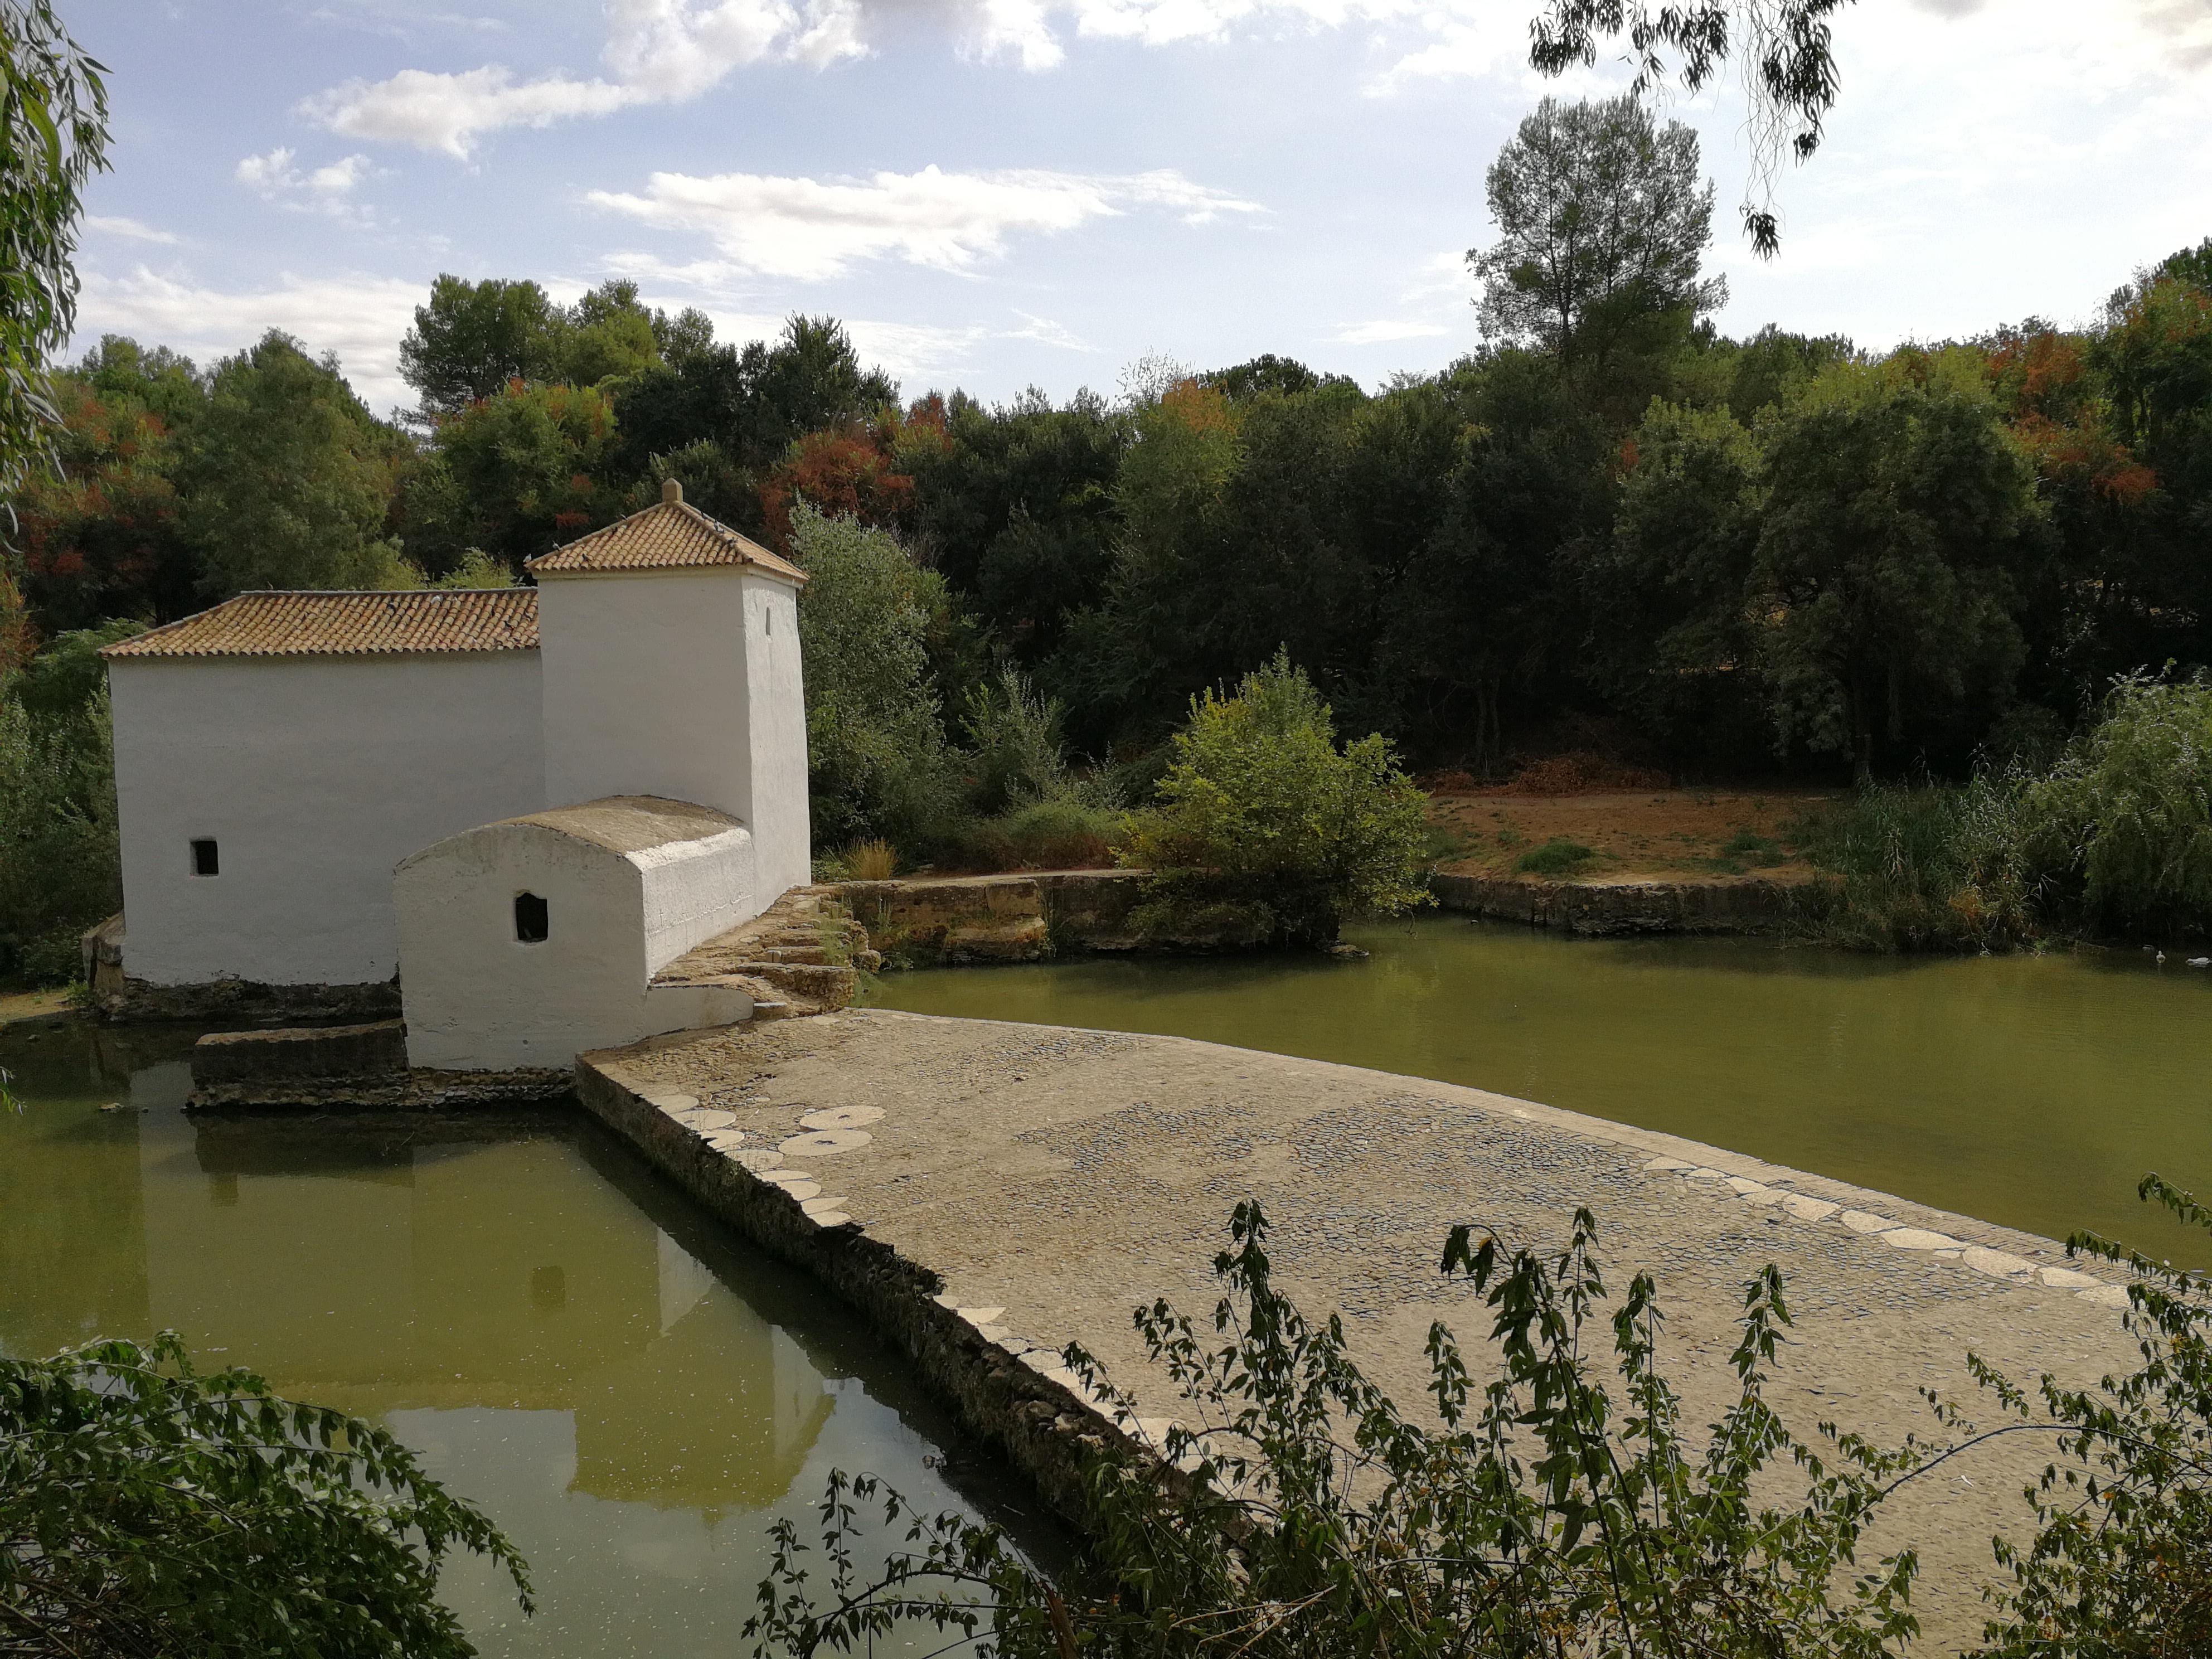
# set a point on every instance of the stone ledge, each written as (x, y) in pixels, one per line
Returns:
(1598, 908)
(297, 1053)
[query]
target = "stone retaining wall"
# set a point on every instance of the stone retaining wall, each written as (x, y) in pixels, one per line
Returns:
(346, 1068)
(1025, 916)
(117, 998)
(1597, 908)
(1028, 1412)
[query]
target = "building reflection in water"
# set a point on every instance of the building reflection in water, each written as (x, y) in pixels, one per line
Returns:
(499, 1293)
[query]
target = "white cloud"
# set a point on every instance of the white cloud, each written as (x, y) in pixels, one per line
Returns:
(660, 52)
(130, 229)
(1045, 332)
(1385, 329)
(361, 317)
(277, 177)
(810, 229)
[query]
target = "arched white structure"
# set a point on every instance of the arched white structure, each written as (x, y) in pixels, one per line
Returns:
(527, 941)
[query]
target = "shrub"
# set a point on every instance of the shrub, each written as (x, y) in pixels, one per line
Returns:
(1262, 815)
(1935, 868)
(1543, 1514)
(1556, 857)
(2121, 1563)
(878, 761)
(60, 854)
(2122, 824)
(145, 1508)
(871, 861)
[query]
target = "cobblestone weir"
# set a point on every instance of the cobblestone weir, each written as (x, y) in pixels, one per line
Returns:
(1037, 1184)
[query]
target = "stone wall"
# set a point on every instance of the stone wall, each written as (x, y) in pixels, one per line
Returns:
(346, 1068)
(1026, 916)
(1754, 906)
(1044, 1427)
(117, 997)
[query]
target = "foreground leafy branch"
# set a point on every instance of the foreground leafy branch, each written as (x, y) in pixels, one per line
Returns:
(148, 1510)
(1552, 1511)
(1548, 1512)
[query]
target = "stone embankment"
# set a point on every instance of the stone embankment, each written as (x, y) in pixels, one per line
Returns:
(986, 1193)
(1028, 916)
(1603, 906)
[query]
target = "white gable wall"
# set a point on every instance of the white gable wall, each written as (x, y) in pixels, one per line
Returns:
(314, 777)
(776, 704)
(684, 685)
(645, 688)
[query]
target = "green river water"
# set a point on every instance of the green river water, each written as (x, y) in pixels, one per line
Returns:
(2031, 1090)
(632, 1396)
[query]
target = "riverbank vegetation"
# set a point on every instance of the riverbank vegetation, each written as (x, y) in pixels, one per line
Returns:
(1544, 1510)
(1267, 831)
(2109, 837)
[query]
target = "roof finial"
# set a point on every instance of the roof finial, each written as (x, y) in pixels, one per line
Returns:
(671, 491)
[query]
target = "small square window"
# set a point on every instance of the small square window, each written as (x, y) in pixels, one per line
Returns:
(204, 859)
(532, 923)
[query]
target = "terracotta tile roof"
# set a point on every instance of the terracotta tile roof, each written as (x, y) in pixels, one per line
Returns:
(670, 536)
(348, 625)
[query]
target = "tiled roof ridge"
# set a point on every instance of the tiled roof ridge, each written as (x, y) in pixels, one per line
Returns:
(671, 534)
(347, 621)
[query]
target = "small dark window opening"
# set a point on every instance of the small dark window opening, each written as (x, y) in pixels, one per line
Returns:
(204, 859)
(530, 922)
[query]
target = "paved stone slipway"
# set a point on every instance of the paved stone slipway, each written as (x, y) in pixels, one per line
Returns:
(1055, 1179)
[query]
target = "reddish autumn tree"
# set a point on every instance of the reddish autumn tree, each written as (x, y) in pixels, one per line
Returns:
(100, 536)
(857, 469)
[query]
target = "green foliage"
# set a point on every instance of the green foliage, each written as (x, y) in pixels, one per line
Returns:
(1545, 1513)
(290, 479)
(1602, 216)
(146, 1509)
(1556, 857)
(1931, 868)
(1262, 819)
(878, 761)
(2123, 822)
(53, 138)
(472, 338)
(1784, 46)
(514, 474)
(2121, 1563)
(60, 856)
(1895, 528)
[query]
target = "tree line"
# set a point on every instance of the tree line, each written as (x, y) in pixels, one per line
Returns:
(1611, 524)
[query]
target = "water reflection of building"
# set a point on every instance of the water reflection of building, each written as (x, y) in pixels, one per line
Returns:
(411, 1267)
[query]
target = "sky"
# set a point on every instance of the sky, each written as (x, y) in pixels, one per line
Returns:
(1001, 194)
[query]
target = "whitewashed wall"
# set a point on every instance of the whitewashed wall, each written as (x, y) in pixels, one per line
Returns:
(314, 777)
(777, 702)
(477, 999)
(645, 686)
(684, 685)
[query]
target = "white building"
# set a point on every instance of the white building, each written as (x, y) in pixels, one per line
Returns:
(279, 757)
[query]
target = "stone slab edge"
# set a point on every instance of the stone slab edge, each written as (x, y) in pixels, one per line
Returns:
(1043, 1426)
